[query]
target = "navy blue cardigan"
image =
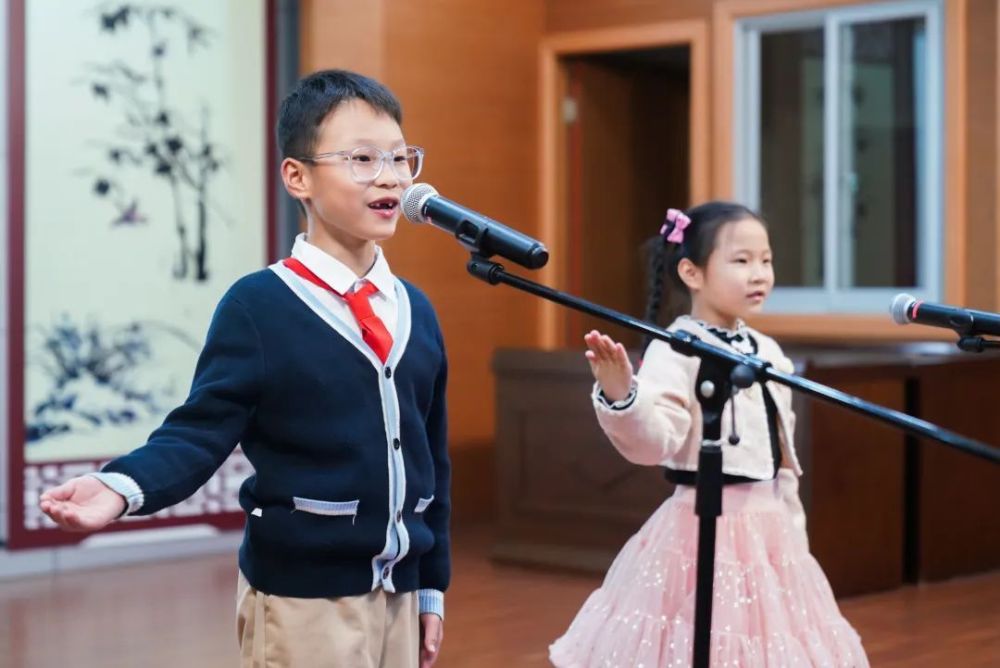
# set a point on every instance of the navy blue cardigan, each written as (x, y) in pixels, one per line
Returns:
(321, 421)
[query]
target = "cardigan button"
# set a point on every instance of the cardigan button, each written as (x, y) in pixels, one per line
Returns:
(399, 515)
(395, 443)
(388, 372)
(385, 572)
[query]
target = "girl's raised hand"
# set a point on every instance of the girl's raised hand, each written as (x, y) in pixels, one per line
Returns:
(610, 365)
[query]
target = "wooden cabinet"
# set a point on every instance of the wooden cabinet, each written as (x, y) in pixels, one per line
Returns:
(883, 508)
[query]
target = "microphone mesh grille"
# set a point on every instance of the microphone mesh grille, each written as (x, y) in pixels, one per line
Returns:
(898, 308)
(413, 199)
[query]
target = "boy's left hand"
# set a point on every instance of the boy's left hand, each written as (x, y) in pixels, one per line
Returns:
(431, 635)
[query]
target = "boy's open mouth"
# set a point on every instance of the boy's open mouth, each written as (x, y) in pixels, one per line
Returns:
(385, 204)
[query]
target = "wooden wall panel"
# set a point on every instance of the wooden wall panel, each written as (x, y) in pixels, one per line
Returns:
(587, 14)
(982, 211)
(341, 33)
(959, 522)
(855, 478)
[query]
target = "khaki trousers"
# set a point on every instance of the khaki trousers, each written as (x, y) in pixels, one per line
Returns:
(374, 630)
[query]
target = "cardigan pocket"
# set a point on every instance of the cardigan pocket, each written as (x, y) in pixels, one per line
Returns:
(333, 508)
(422, 504)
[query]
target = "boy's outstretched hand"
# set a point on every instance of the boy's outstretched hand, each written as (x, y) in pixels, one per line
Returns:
(431, 635)
(610, 365)
(82, 504)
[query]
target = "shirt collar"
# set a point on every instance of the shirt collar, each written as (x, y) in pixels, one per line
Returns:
(738, 338)
(338, 275)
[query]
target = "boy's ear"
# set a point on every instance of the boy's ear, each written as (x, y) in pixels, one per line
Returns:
(691, 274)
(296, 178)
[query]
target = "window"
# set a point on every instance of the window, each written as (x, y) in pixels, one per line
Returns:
(839, 145)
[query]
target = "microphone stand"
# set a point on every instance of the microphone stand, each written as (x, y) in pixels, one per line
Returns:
(721, 372)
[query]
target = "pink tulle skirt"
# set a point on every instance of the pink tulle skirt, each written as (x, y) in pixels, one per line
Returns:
(772, 607)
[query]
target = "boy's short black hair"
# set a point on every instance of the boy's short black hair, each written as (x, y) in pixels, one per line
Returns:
(304, 109)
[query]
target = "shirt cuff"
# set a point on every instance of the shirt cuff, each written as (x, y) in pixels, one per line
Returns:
(124, 485)
(619, 405)
(431, 601)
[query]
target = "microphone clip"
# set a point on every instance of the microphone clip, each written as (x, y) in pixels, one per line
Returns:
(977, 344)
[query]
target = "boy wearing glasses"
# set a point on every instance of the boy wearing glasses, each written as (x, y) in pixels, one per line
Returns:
(330, 372)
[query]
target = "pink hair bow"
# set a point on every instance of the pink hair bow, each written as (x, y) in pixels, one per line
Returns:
(680, 223)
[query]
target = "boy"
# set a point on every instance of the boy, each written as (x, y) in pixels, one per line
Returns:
(330, 372)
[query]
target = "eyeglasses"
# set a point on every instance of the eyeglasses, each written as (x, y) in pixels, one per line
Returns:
(367, 162)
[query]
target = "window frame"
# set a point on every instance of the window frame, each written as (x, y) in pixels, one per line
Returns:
(830, 298)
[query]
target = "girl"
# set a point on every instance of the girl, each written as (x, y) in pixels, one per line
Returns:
(773, 606)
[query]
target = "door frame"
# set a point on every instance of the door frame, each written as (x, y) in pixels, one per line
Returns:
(552, 140)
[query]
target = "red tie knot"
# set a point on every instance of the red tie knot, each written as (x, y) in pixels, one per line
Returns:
(365, 289)
(358, 302)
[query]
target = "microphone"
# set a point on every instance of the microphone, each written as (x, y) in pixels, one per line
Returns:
(481, 235)
(906, 309)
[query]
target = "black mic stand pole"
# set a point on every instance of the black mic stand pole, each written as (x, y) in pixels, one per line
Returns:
(720, 372)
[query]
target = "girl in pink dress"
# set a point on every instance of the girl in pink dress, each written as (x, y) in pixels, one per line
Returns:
(772, 604)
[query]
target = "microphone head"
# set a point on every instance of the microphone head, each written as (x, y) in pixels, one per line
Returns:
(413, 200)
(900, 305)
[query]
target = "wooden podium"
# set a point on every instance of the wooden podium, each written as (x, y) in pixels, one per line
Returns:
(883, 508)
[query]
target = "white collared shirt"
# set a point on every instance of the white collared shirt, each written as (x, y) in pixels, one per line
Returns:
(341, 278)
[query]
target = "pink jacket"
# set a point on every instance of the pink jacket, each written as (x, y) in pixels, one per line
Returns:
(663, 424)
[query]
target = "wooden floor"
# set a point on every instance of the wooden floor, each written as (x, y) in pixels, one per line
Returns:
(181, 614)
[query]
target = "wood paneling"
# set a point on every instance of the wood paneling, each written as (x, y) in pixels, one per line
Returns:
(564, 15)
(855, 480)
(983, 292)
(956, 197)
(342, 34)
(473, 484)
(959, 518)
(566, 496)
